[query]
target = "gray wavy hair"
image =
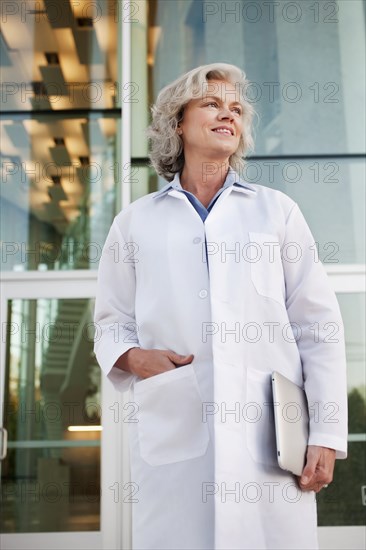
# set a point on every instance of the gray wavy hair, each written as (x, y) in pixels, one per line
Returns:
(166, 150)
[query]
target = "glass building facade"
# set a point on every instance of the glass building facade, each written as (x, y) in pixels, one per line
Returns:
(77, 82)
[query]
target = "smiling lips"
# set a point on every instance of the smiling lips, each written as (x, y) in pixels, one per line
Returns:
(224, 130)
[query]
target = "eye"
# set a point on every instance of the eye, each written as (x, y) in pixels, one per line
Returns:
(211, 103)
(238, 110)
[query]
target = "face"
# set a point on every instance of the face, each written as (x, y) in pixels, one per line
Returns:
(212, 124)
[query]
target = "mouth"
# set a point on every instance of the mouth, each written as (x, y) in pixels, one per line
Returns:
(224, 131)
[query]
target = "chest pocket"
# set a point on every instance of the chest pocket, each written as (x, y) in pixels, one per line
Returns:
(266, 270)
(170, 425)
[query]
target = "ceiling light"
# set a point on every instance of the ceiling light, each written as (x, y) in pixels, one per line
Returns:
(85, 428)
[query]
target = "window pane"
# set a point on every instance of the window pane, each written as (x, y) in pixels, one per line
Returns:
(50, 478)
(308, 76)
(343, 502)
(143, 180)
(59, 55)
(58, 187)
(331, 195)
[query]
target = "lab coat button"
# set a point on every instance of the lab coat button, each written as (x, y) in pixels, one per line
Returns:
(197, 240)
(203, 293)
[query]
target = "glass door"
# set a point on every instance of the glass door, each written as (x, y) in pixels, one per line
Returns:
(51, 415)
(341, 507)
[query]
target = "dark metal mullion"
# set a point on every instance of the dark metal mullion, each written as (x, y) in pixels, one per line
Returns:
(145, 160)
(61, 113)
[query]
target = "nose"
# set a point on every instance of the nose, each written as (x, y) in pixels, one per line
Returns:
(226, 113)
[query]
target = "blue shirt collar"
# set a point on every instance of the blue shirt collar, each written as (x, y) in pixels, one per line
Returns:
(232, 178)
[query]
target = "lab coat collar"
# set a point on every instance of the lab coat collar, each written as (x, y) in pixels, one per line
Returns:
(232, 179)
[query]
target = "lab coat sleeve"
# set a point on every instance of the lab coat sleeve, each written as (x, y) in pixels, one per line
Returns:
(114, 315)
(314, 313)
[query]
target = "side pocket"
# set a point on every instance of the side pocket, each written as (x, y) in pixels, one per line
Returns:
(266, 268)
(260, 429)
(170, 425)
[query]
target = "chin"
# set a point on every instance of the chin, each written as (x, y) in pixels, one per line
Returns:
(228, 151)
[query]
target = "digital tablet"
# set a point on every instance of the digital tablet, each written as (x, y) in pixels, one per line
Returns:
(291, 417)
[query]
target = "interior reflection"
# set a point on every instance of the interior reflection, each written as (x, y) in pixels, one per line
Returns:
(51, 474)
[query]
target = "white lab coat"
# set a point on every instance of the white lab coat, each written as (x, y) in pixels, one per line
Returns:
(203, 449)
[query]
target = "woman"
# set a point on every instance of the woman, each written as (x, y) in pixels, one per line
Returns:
(218, 277)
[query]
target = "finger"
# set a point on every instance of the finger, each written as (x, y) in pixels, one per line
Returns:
(181, 359)
(314, 485)
(312, 459)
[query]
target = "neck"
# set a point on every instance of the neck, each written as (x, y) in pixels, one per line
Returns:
(204, 184)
